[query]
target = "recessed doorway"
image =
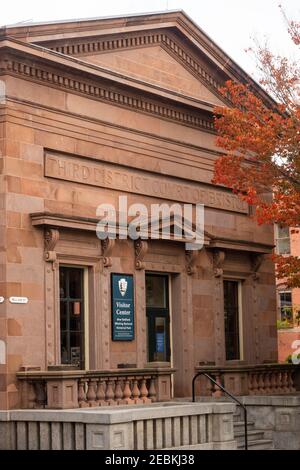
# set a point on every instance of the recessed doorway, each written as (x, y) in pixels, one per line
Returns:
(158, 317)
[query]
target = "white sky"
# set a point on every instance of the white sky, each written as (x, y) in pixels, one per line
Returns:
(230, 23)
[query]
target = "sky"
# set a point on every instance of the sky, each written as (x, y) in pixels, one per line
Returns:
(232, 24)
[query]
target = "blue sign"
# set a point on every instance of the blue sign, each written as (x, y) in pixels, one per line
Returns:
(160, 342)
(122, 307)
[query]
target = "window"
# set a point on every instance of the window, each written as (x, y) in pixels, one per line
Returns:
(285, 306)
(283, 245)
(71, 316)
(232, 318)
(158, 318)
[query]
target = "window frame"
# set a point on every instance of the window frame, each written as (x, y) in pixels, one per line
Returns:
(278, 239)
(239, 283)
(85, 305)
(283, 291)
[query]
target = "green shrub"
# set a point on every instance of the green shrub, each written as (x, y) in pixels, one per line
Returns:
(284, 324)
(289, 359)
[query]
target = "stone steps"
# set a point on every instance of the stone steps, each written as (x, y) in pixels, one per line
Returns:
(261, 444)
(239, 426)
(238, 415)
(256, 437)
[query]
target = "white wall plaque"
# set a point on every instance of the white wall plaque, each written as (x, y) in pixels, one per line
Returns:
(18, 300)
(2, 352)
(1, 300)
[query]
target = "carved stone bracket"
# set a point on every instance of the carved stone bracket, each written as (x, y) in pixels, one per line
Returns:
(107, 247)
(218, 262)
(140, 248)
(256, 262)
(191, 257)
(51, 239)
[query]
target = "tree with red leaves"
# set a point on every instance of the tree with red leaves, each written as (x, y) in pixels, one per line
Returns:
(262, 144)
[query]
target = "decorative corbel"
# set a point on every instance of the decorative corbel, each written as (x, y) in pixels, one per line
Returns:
(140, 249)
(107, 246)
(51, 239)
(191, 257)
(256, 262)
(218, 262)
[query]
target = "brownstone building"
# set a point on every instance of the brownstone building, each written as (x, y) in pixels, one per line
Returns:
(288, 300)
(95, 109)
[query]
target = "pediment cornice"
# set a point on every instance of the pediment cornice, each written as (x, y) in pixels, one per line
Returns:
(56, 70)
(84, 47)
(193, 37)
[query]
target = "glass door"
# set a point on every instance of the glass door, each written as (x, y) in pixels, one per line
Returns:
(158, 318)
(71, 316)
(232, 320)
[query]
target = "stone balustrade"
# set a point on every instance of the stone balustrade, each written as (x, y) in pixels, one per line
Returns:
(82, 389)
(265, 379)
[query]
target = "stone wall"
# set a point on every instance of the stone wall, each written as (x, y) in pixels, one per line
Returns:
(280, 416)
(180, 426)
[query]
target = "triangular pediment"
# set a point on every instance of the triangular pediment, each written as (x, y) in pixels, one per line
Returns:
(155, 66)
(166, 51)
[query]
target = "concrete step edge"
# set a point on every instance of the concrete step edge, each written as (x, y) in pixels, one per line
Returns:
(258, 444)
(250, 433)
(241, 423)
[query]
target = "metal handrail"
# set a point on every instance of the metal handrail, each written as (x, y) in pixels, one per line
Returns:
(230, 395)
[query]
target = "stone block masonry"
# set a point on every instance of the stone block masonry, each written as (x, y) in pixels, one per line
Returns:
(197, 426)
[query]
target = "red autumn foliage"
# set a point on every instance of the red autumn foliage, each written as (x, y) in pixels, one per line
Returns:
(261, 140)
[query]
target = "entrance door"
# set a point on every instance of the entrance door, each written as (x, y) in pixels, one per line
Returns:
(71, 316)
(158, 318)
(232, 319)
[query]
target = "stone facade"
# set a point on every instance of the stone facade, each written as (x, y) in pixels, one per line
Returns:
(93, 109)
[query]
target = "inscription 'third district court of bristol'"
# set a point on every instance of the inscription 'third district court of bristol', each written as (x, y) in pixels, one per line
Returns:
(111, 176)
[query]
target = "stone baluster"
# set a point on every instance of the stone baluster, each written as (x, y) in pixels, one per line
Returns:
(91, 393)
(285, 382)
(250, 384)
(127, 393)
(217, 392)
(100, 394)
(144, 391)
(267, 383)
(136, 392)
(273, 382)
(255, 384)
(109, 394)
(210, 388)
(82, 402)
(290, 381)
(279, 381)
(261, 384)
(152, 390)
(118, 392)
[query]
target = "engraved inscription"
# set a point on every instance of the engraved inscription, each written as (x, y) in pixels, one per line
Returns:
(115, 177)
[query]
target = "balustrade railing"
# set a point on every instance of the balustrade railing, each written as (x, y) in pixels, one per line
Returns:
(265, 379)
(108, 391)
(81, 389)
